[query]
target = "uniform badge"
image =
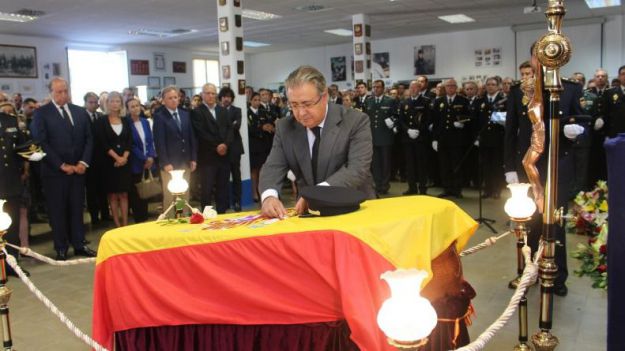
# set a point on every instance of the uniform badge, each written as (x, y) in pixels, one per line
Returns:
(615, 97)
(406, 107)
(525, 100)
(442, 105)
(483, 105)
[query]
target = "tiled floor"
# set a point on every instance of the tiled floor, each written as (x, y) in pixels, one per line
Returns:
(579, 322)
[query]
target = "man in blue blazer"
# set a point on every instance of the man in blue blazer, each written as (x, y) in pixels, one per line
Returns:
(174, 140)
(64, 131)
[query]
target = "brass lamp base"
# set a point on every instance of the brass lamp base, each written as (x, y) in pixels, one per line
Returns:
(544, 341)
(523, 347)
(408, 345)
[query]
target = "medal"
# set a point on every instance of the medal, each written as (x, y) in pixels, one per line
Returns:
(442, 105)
(615, 97)
(525, 100)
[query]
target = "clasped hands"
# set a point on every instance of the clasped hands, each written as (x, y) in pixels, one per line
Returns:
(71, 169)
(272, 207)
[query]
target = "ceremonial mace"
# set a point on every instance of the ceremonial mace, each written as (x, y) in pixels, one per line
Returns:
(553, 51)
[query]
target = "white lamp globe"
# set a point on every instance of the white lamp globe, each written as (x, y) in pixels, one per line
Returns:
(519, 205)
(5, 219)
(406, 316)
(177, 184)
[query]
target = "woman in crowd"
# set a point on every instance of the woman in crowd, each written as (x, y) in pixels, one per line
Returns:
(102, 101)
(260, 127)
(347, 100)
(142, 157)
(113, 144)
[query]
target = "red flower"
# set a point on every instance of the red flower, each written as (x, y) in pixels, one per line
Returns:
(592, 240)
(196, 218)
(580, 222)
(602, 268)
(598, 230)
(603, 249)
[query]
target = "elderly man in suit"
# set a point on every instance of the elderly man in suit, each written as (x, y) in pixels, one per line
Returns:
(213, 129)
(174, 140)
(321, 143)
(64, 131)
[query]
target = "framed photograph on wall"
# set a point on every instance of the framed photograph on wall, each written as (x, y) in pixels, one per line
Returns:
(241, 86)
(223, 24)
(339, 68)
(367, 30)
(179, 67)
(140, 67)
(240, 67)
(24, 60)
(359, 66)
(358, 48)
(225, 48)
(222, 2)
(237, 3)
(358, 30)
(368, 48)
(424, 59)
(159, 61)
(237, 21)
(239, 43)
(154, 82)
(167, 81)
(225, 71)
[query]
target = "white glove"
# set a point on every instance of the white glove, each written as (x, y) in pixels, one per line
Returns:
(512, 178)
(571, 131)
(430, 127)
(459, 125)
(36, 156)
(599, 123)
(476, 143)
(435, 145)
(290, 175)
(413, 133)
(389, 123)
(395, 130)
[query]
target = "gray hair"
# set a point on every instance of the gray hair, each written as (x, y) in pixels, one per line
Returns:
(306, 74)
(54, 80)
(167, 89)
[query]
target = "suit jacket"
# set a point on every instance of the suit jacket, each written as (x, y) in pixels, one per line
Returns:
(491, 134)
(445, 115)
(345, 152)
(61, 142)
(211, 131)
(614, 102)
(415, 114)
(139, 152)
(174, 146)
(235, 149)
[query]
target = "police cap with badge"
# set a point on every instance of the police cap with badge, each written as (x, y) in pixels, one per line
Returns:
(331, 200)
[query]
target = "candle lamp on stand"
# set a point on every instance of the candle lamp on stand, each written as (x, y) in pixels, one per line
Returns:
(5, 292)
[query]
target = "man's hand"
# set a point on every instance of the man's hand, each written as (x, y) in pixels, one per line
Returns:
(268, 127)
(168, 168)
(512, 178)
(80, 168)
(413, 133)
(272, 207)
(69, 170)
(148, 163)
(222, 149)
(599, 123)
(193, 166)
(476, 143)
(301, 206)
(435, 145)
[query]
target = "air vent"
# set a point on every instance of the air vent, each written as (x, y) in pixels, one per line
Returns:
(312, 8)
(29, 12)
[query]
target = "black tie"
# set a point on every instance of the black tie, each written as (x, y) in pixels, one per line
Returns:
(315, 151)
(177, 120)
(66, 117)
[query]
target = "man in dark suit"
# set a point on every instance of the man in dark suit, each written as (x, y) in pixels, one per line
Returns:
(361, 96)
(265, 102)
(213, 130)
(451, 136)
(594, 104)
(235, 149)
(97, 203)
(614, 101)
(517, 140)
(321, 143)
(425, 88)
(414, 120)
(174, 140)
(64, 131)
(381, 110)
(333, 91)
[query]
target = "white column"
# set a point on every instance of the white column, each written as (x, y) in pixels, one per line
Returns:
(232, 74)
(362, 48)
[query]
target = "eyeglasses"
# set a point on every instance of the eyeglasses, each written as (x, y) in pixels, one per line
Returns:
(305, 105)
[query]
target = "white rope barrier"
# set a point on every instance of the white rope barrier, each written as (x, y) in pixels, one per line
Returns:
(28, 252)
(487, 243)
(68, 323)
(530, 273)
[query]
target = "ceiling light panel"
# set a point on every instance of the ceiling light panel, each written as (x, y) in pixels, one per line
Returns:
(459, 18)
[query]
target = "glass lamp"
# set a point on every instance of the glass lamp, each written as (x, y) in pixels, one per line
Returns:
(5, 292)
(5, 219)
(177, 185)
(406, 318)
(519, 205)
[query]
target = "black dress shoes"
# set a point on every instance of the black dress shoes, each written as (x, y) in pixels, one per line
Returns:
(560, 290)
(444, 195)
(61, 256)
(85, 251)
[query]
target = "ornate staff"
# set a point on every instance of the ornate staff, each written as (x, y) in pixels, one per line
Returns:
(553, 50)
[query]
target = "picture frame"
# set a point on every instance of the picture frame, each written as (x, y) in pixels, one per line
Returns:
(222, 2)
(140, 67)
(27, 66)
(239, 43)
(241, 86)
(179, 67)
(167, 81)
(237, 3)
(225, 48)
(359, 66)
(240, 67)
(159, 61)
(367, 30)
(358, 48)
(237, 21)
(225, 71)
(358, 30)
(223, 24)
(368, 48)
(154, 82)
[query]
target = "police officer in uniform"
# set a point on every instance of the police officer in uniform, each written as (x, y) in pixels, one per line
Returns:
(451, 136)
(413, 119)
(381, 110)
(13, 169)
(490, 135)
(361, 96)
(614, 100)
(594, 104)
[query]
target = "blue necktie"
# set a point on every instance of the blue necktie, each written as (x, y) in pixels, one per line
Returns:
(177, 119)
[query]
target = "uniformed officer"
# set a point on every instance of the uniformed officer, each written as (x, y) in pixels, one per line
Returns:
(413, 119)
(381, 110)
(13, 170)
(451, 136)
(614, 100)
(490, 135)
(470, 166)
(595, 105)
(361, 96)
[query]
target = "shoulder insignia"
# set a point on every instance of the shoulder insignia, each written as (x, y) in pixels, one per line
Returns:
(615, 97)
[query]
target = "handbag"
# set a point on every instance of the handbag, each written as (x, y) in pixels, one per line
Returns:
(148, 187)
